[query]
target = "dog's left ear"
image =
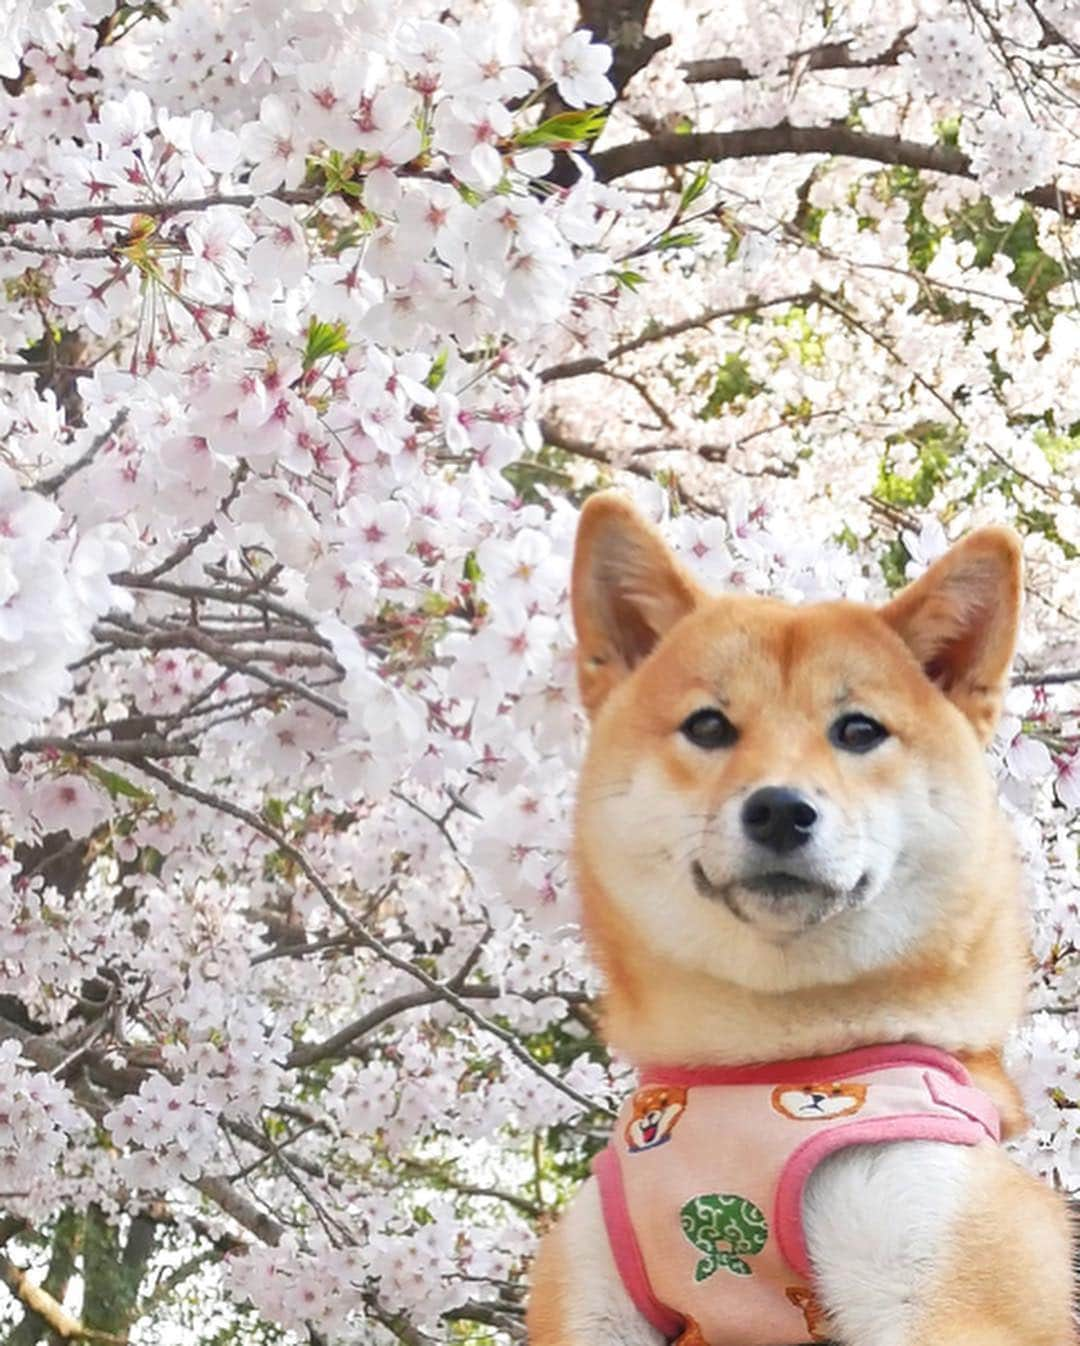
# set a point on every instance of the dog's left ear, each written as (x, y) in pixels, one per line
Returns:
(960, 621)
(626, 592)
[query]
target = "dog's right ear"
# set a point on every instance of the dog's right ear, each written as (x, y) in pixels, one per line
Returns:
(627, 590)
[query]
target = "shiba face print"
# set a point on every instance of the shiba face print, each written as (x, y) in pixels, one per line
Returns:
(811, 1102)
(656, 1111)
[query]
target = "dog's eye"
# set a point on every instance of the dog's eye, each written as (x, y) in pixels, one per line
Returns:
(709, 729)
(857, 733)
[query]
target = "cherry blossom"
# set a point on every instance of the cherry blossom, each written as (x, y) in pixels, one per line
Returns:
(579, 66)
(274, 145)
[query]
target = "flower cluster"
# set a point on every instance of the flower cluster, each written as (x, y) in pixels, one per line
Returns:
(39, 1120)
(54, 583)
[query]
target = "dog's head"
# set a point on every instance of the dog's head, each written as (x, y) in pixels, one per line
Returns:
(783, 796)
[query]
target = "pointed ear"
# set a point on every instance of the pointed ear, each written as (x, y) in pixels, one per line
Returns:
(627, 590)
(960, 621)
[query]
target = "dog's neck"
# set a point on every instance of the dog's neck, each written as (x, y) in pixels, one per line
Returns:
(662, 1015)
(658, 1012)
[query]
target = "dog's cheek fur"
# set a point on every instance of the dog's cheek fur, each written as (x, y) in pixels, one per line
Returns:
(641, 836)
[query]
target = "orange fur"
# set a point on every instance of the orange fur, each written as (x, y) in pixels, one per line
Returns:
(1006, 1281)
(938, 954)
(817, 1326)
(551, 1275)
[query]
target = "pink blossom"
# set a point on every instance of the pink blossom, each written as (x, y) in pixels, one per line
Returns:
(275, 146)
(579, 67)
(281, 254)
(68, 803)
(1067, 785)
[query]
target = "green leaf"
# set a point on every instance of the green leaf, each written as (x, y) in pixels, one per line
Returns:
(1056, 448)
(437, 372)
(629, 280)
(733, 384)
(117, 785)
(565, 128)
(693, 190)
(323, 339)
(678, 239)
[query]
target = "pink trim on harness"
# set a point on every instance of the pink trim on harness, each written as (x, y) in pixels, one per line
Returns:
(624, 1247)
(748, 1144)
(840, 1066)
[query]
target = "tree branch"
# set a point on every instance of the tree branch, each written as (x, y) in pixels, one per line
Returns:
(308, 1053)
(369, 941)
(667, 149)
(134, 580)
(157, 209)
(52, 484)
(1046, 679)
(133, 750)
(54, 1317)
(829, 56)
(592, 364)
(222, 1193)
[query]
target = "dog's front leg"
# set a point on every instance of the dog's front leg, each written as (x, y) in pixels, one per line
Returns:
(917, 1243)
(577, 1297)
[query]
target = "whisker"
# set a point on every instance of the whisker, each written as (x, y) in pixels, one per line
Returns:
(679, 848)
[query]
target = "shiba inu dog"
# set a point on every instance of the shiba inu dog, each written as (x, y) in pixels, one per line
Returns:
(788, 846)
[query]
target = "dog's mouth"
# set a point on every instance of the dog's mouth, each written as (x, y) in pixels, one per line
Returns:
(809, 901)
(779, 883)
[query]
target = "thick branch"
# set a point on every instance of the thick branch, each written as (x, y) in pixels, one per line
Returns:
(1053, 679)
(307, 1053)
(667, 149)
(583, 448)
(222, 1193)
(829, 56)
(54, 1317)
(621, 24)
(132, 751)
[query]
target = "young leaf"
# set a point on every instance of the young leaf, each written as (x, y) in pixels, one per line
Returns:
(437, 372)
(676, 239)
(693, 190)
(117, 785)
(629, 280)
(564, 128)
(323, 339)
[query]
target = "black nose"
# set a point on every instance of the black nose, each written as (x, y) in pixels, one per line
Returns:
(778, 818)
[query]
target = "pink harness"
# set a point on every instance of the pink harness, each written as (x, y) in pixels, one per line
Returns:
(702, 1181)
